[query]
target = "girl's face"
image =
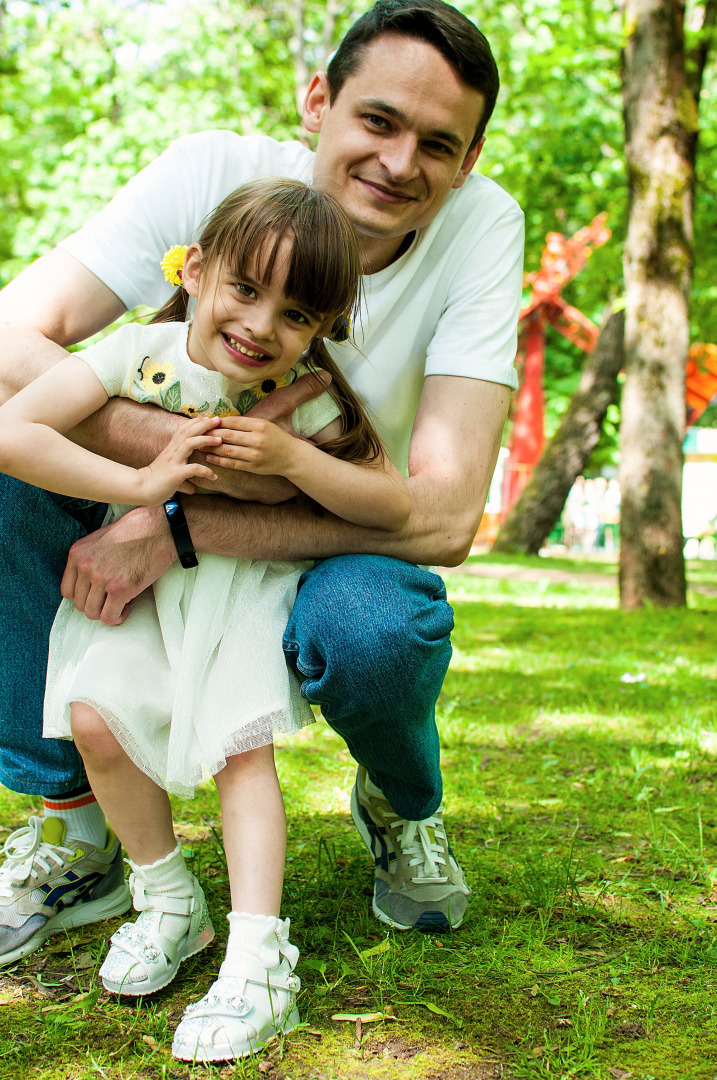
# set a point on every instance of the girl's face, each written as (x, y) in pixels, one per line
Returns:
(246, 330)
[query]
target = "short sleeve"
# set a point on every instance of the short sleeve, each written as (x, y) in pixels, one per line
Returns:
(166, 203)
(476, 334)
(315, 415)
(112, 358)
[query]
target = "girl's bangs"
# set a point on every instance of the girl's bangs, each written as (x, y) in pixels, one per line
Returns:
(324, 267)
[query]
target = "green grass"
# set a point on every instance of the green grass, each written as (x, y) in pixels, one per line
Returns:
(582, 807)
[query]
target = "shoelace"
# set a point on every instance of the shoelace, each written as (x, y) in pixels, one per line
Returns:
(27, 855)
(421, 851)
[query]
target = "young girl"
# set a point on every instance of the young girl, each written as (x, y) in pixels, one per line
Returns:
(195, 678)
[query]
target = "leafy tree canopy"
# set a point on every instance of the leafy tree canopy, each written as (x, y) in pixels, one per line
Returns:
(92, 90)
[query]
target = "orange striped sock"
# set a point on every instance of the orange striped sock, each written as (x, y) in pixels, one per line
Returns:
(81, 814)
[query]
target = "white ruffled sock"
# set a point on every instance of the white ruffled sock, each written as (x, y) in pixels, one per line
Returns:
(167, 876)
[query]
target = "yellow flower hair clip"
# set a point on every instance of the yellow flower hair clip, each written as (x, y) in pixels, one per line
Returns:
(172, 263)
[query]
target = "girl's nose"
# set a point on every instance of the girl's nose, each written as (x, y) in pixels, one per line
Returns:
(259, 323)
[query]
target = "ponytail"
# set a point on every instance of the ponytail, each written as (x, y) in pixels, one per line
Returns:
(359, 441)
(175, 309)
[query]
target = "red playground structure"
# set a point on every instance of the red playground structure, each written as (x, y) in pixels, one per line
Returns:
(701, 380)
(562, 259)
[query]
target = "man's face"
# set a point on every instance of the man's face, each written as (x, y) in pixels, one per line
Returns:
(395, 140)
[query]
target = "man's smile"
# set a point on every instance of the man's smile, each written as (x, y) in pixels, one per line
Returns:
(384, 193)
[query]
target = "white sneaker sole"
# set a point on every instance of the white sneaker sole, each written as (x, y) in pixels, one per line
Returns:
(358, 820)
(150, 986)
(82, 914)
(225, 1053)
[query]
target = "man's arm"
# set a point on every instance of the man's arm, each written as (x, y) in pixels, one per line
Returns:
(54, 303)
(454, 447)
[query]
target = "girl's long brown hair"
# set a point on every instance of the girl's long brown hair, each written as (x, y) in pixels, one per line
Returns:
(324, 276)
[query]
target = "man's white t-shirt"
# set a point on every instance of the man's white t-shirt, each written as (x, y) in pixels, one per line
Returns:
(448, 306)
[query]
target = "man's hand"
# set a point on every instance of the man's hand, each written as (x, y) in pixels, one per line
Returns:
(280, 404)
(108, 568)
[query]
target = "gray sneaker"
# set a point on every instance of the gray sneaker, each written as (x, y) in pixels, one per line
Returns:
(418, 882)
(50, 882)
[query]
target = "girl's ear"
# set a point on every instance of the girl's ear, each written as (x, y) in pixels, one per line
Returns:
(192, 269)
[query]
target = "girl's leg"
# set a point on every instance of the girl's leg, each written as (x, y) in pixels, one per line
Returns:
(136, 808)
(254, 828)
(255, 994)
(174, 921)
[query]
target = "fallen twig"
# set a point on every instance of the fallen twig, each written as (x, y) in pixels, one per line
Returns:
(583, 967)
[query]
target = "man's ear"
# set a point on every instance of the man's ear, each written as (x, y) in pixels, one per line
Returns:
(468, 163)
(316, 103)
(192, 269)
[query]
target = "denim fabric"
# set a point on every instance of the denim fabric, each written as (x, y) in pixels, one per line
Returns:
(36, 531)
(371, 636)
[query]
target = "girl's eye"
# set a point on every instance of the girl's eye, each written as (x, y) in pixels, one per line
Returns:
(245, 290)
(296, 316)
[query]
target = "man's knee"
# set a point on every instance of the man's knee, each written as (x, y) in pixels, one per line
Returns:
(377, 615)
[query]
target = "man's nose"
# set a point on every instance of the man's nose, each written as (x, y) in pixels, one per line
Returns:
(400, 158)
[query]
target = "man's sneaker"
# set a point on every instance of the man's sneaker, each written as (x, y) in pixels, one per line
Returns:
(50, 882)
(418, 882)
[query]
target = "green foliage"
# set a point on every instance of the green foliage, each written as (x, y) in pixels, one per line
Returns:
(92, 90)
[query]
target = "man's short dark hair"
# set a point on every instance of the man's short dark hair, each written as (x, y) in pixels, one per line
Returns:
(458, 40)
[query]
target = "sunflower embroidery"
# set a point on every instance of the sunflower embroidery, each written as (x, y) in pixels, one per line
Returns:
(267, 386)
(194, 410)
(154, 377)
(224, 407)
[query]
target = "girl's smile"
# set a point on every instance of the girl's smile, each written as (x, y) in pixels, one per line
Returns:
(241, 327)
(235, 346)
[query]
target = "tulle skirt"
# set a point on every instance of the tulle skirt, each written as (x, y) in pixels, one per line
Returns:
(195, 674)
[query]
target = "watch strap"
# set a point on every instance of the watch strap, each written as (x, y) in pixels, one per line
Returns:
(180, 532)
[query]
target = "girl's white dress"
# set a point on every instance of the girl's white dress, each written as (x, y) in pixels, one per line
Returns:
(196, 673)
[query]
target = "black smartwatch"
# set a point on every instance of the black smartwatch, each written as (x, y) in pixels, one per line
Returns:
(180, 532)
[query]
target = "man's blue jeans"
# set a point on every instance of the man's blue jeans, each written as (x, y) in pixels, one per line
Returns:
(369, 634)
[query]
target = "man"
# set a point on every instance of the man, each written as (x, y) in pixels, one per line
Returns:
(401, 113)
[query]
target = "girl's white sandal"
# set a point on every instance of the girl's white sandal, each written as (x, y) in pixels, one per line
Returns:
(249, 1003)
(142, 960)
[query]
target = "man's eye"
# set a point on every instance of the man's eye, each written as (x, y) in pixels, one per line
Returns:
(439, 147)
(377, 121)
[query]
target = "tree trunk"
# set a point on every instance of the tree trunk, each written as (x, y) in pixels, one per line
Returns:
(527, 526)
(660, 128)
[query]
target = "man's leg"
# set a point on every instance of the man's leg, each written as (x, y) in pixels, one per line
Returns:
(371, 635)
(36, 531)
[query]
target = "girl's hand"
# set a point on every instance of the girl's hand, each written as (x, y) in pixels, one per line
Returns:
(253, 445)
(171, 471)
